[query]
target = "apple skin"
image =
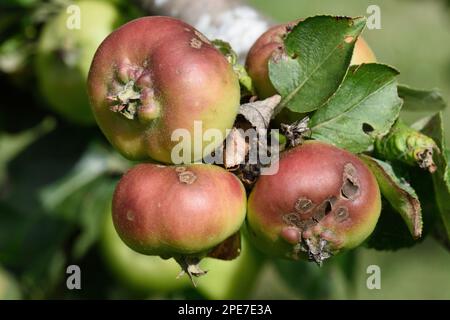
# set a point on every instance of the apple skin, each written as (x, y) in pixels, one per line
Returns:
(259, 54)
(64, 56)
(177, 76)
(175, 211)
(362, 53)
(313, 171)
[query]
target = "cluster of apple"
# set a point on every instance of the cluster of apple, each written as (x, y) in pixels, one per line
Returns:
(155, 75)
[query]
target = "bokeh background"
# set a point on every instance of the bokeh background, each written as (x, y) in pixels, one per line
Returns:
(56, 180)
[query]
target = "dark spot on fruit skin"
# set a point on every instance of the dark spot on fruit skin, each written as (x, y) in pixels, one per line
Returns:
(350, 187)
(195, 43)
(291, 219)
(187, 177)
(180, 169)
(278, 55)
(303, 205)
(202, 37)
(349, 190)
(323, 210)
(341, 214)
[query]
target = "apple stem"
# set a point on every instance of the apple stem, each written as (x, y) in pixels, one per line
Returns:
(190, 266)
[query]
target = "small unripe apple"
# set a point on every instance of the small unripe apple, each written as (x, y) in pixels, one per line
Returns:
(141, 273)
(155, 75)
(233, 279)
(362, 53)
(322, 200)
(178, 211)
(262, 50)
(64, 54)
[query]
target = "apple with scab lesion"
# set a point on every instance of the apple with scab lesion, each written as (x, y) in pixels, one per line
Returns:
(155, 75)
(322, 200)
(179, 212)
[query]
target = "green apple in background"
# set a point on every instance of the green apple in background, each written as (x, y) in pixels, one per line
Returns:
(64, 54)
(233, 279)
(146, 274)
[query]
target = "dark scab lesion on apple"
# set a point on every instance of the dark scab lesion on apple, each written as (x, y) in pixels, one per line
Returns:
(341, 214)
(195, 43)
(202, 37)
(279, 54)
(187, 177)
(306, 214)
(323, 210)
(303, 205)
(350, 187)
(180, 169)
(291, 219)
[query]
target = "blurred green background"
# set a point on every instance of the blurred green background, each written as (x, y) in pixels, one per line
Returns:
(56, 180)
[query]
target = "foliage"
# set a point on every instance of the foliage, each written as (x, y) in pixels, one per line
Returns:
(56, 179)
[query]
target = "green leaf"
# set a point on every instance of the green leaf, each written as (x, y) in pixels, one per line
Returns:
(245, 81)
(32, 244)
(314, 60)
(95, 162)
(88, 205)
(18, 3)
(13, 144)
(421, 100)
(399, 193)
(44, 162)
(365, 106)
(226, 49)
(391, 233)
(441, 178)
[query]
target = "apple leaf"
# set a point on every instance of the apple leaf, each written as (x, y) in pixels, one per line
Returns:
(399, 193)
(88, 204)
(229, 249)
(391, 233)
(421, 100)
(364, 107)
(95, 161)
(441, 178)
(314, 60)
